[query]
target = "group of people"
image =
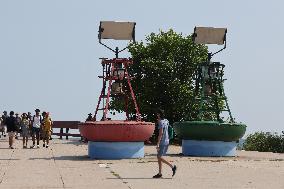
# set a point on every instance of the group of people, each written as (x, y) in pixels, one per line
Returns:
(37, 126)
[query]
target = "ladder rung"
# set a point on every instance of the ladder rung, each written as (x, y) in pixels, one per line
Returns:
(113, 95)
(109, 77)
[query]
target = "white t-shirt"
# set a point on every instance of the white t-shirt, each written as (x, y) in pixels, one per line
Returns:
(164, 124)
(36, 121)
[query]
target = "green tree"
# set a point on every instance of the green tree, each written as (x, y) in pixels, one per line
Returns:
(162, 70)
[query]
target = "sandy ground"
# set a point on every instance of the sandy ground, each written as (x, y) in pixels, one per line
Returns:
(66, 165)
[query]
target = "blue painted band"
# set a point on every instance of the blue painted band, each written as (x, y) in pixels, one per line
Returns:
(115, 150)
(208, 148)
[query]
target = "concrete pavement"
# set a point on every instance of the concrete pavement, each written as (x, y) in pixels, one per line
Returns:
(65, 164)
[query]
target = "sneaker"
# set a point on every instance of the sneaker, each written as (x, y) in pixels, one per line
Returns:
(11, 147)
(174, 169)
(33, 146)
(43, 145)
(37, 146)
(46, 146)
(157, 176)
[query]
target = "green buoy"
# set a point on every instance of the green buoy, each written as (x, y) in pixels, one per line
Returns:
(210, 134)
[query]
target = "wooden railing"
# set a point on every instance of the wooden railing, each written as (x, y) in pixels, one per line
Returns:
(65, 125)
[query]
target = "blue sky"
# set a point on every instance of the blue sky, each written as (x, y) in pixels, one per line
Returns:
(49, 52)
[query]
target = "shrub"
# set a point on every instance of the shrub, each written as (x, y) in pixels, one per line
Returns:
(265, 142)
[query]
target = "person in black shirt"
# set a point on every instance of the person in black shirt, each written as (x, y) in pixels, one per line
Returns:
(11, 128)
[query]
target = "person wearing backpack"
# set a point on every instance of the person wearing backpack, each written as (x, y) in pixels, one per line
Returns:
(36, 127)
(163, 143)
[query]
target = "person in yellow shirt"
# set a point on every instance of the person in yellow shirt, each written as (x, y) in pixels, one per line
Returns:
(46, 129)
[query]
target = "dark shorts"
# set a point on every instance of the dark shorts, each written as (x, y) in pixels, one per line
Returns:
(35, 131)
(162, 150)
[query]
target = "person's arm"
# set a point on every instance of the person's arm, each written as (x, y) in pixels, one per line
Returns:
(32, 121)
(42, 122)
(15, 124)
(21, 125)
(160, 137)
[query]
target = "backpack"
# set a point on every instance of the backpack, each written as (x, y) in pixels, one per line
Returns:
(170, 132)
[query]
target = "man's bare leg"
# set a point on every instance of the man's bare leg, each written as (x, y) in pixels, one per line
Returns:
(166, 162)
(160, 165)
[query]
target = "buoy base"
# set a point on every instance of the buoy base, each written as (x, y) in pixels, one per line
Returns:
(207, 148)
(115, 150)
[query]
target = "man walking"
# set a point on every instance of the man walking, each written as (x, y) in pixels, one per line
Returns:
(163, 143)
(11, 128)
(36, 126)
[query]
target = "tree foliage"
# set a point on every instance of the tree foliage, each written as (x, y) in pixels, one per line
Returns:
(265, 142)
(162, 70)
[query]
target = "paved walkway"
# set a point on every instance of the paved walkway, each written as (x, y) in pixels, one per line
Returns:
(66, 165)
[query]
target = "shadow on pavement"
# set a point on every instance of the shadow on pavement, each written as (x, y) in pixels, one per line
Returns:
(71, 158)
(138, 178)
(70, 141)
(170, 155)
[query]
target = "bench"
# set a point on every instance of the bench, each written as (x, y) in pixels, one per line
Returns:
(67, 125)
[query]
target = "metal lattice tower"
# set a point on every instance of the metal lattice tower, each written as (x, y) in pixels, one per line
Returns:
(209, 82)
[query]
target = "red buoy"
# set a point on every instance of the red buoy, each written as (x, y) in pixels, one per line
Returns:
(117, 131)
(116, 85)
